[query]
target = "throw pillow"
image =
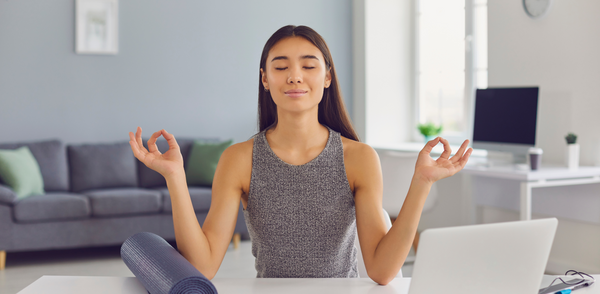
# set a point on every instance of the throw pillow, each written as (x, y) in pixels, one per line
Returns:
(202, 163)
(21, 172)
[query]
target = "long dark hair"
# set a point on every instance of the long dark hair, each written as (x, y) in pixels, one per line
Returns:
(332, 111)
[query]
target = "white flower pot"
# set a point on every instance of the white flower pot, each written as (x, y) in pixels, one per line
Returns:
(573, 156)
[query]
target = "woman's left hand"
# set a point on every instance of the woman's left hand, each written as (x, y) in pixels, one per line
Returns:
(432, 170)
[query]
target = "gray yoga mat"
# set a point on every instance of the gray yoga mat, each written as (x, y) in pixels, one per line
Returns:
(161, 268)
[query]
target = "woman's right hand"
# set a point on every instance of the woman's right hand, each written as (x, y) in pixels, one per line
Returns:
(168, 163)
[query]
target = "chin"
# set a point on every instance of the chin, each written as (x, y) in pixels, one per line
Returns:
(297, 105)
(298, 108)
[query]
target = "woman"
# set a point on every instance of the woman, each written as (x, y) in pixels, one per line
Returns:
(305, 181)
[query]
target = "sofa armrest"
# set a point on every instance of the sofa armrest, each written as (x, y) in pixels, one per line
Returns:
(7, 195)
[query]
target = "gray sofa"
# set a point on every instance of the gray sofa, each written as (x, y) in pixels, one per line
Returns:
(96, 195)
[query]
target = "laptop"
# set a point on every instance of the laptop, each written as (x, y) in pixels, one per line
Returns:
(502, 258)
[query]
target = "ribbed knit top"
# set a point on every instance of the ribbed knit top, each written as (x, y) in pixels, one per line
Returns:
(301, 218)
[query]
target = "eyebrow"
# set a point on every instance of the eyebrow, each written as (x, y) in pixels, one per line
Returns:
(286, 58)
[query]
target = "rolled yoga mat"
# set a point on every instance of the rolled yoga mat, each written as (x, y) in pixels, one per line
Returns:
(161, 268)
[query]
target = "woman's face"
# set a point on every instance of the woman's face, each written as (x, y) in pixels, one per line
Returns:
(295, 75)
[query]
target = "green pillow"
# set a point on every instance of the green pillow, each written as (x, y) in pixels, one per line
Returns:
(21, 172)
(202, 163)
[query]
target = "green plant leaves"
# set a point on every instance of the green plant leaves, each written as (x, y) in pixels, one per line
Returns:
(429, 129)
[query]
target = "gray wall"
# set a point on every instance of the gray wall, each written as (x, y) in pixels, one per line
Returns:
(190, 67)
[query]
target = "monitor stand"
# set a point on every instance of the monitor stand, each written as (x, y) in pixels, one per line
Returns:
(496, 158)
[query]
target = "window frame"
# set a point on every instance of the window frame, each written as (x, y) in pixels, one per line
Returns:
(470, 73)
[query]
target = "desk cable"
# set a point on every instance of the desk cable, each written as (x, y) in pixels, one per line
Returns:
(585, 281)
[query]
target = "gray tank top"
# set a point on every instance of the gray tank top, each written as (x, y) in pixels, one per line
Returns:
(301, 218)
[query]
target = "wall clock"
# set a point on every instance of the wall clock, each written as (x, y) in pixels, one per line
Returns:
(536, 8)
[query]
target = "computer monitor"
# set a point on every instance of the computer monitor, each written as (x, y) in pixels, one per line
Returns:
(505, 120)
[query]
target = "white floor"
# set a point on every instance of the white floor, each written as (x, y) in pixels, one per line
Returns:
(24, 268)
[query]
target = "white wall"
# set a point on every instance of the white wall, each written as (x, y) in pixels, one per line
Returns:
(558, 53)
(383, 50)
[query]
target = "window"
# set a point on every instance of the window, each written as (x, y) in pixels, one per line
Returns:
(450, 62)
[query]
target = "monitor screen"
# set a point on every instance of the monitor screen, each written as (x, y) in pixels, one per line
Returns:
(506, 115)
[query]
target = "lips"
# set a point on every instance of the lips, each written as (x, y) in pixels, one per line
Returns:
(295, 93)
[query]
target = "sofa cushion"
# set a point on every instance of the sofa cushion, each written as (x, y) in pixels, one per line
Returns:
(149, 178)
(20, 170)
(97, 166)
(126, 201)
(201, 197)
(202, 162)
(51, 156)
(51, 206)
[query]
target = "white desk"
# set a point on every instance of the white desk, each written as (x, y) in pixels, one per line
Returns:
(544, 177)
(130, 285)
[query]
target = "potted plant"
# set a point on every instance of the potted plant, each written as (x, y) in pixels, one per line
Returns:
(572, 151)
(429, 130)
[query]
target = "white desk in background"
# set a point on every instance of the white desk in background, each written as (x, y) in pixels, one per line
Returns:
(544, 177)
(130, 285)
(412, 147)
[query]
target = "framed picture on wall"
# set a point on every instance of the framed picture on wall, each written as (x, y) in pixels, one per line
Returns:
(97, 27)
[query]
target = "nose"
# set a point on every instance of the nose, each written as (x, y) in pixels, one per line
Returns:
(295, 76)
(294, 80)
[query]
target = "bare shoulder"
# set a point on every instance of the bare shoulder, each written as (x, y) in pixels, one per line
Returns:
(357, 152)
(235, 166)
(239, 151)
(361, 162)
(237, 157)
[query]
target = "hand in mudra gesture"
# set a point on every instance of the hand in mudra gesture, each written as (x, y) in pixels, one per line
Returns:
(445, 166)
(167, 163)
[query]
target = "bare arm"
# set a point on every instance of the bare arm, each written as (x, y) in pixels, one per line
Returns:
(206, 248)
(384, 252)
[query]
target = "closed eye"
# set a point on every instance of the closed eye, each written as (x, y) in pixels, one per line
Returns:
(280, 68)
(309, 67)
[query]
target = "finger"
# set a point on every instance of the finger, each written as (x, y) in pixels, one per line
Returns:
(135, 149)
(458, 155)
(133, 142)
(152, 142)
(429, 146)
(463, 161)
(138, 139)
(134, 146)
(170, 140)
(131, 137)
(447, 149)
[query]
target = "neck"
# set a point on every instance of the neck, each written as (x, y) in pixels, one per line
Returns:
(298, 131)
